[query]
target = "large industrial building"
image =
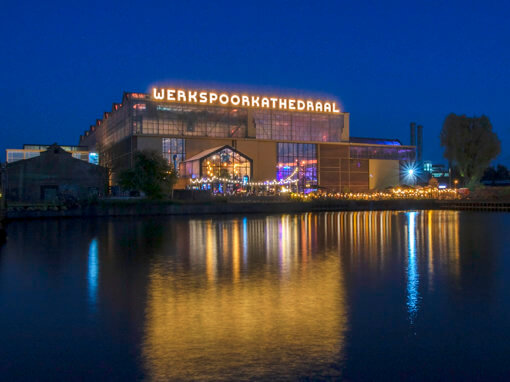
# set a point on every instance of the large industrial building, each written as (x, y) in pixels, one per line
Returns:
(208, 134)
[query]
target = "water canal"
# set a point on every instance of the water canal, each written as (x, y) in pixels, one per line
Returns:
(423, 295)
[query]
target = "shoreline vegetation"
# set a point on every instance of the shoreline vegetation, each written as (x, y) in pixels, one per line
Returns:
(200, 204)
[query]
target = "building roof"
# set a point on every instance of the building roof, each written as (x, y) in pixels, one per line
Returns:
(52, 151)
(205, 153)
(31, 146)
(208, 152)
(376, 141)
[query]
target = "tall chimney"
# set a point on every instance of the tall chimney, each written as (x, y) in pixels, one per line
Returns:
(419, 145)
(413, 134)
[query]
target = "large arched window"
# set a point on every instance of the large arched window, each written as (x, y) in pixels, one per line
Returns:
(226, 163)
(219, 162)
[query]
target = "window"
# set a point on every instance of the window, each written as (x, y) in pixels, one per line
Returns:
(226, 164)
(278, 125)
(301, 159)
(13, 156)
(381, 152)
(174, 151)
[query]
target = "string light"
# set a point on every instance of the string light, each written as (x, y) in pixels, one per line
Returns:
(395, 193)
(215, 179)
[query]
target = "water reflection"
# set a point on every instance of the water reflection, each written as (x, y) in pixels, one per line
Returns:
(255, 315)
(269, 288)
(353, 295)
(93, 270)
(412, 267)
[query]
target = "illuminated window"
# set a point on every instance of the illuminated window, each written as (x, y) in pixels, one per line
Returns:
(381, 152)
(220, 162)
(94, 158)
(13, 156)
(174, 150)
(300, 156)
(31, 154)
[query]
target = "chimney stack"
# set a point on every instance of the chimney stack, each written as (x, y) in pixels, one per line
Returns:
(413, 134)
(419, 145)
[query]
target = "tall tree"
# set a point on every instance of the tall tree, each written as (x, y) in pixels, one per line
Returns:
(151, 174)
(502, 173)
(470, 144)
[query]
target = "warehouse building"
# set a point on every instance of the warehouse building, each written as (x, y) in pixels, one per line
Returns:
(246, 138)
(54, 175)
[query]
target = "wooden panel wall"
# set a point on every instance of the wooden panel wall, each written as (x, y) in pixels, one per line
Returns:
(339, 173)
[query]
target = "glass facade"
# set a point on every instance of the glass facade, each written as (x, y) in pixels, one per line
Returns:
(189, 121)
(224, 163)
(13, 156)
(81, 156)
(146, 117)
(174, 151)
(301, 157)
(139, 115)
(32, 151)
(221, 122)
(304, 127)
(378, 152)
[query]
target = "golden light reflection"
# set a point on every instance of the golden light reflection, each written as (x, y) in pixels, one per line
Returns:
(372, 238)
(285, 303)
(266, 295)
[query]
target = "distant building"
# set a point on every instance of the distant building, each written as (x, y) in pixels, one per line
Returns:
(53, 175)
(30, 151)
(439, 171)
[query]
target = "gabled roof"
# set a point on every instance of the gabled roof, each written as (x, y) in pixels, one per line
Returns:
(213, 150)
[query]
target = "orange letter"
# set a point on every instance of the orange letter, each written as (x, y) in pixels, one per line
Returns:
(192, 96)
(235, 100)
(157, 95)
(212, 97)
(223, 99)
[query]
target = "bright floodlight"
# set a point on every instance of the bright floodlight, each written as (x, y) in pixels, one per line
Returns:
(410, 172)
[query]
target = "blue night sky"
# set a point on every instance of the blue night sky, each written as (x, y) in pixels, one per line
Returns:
(388, 63)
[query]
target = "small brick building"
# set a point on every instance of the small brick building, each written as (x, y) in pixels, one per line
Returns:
(54, 175)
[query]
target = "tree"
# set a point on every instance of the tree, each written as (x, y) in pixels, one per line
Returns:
(489, 175)
(470, 144)
(151, 174)
(502, 173)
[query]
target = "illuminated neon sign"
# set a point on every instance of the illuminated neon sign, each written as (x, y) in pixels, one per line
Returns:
(242, 100)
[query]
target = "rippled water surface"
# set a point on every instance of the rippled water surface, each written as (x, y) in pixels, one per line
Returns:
(420, 295)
